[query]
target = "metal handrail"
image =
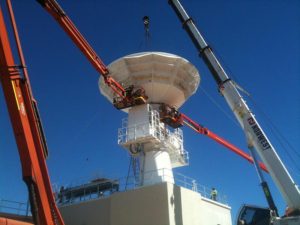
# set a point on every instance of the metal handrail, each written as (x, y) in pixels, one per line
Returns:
(130, 183)
(15, 207)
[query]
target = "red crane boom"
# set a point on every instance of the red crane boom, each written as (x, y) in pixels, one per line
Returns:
(26, 122)
(175, 119)
(124, 98)
(27, 129)
(54, 9)
(203, 130)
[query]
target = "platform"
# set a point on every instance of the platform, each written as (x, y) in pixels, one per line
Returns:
(159, 204)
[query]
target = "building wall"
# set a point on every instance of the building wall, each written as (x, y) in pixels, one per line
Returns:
(160, 204)
(143, 206)
(187, 207)
(219, 212)
(94, 212)
(190, 208)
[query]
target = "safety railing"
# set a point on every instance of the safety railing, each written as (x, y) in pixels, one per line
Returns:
(179, 179)
(192, 184)
(93, 189)
(152, 127)
(126, 134)
(14, 207)
(131, 182)
(160, 136)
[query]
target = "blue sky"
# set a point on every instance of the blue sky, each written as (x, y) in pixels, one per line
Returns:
(256, 41)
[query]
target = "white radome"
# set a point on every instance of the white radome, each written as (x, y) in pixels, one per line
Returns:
(166, 78)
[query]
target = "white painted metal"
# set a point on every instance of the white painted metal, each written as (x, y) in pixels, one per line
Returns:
(256, 138)
(156, 168)
(252, 129)
(165, 77)
(144, 131)
(158, 148)
(168, 79)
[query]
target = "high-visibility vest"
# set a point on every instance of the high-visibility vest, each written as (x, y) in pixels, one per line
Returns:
(214, 192)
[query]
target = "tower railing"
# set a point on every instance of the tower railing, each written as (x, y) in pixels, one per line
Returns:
(14, 207)
(156, 132)
(147, 130)
(130, 183)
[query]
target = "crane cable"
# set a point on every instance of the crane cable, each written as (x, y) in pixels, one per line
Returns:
(146, 22)
(279, 136)
(146, 41)
(219, 106)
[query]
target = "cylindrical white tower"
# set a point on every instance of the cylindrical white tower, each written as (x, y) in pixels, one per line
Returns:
(168, 79)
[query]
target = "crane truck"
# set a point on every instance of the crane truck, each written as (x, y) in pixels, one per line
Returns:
(256, 138)
(26, 122)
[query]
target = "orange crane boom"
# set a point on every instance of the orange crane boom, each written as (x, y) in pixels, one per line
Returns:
(25, 119)
(27, 129)
(203, 130)
(123, 100)
(54, 9)
(175, 119)
(24, 114)
(123, 97)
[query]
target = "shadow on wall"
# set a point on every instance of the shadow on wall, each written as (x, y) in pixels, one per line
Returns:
(175, 200)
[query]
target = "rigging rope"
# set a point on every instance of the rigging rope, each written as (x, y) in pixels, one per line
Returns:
(278, 135)
(219, 106)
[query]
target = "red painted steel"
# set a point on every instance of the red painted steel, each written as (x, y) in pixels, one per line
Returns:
(54, 9)
(5, 221)
(25, 119)
(26, 127)
(202, 130)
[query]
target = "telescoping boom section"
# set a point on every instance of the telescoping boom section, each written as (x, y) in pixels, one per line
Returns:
(175, 119)
(125, 96)
(26, 122)
(254, 133)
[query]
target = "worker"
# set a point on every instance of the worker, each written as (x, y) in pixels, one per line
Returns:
(213, 194)
(242, 222)
(128, 91)
(60, 194)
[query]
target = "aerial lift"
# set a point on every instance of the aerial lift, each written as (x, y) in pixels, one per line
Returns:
(256, 137)
(27, 128)
(131, 95)
(25, 118)
(27, 125)
(172, 117)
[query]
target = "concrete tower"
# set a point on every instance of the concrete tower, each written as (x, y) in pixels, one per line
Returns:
(167, 79)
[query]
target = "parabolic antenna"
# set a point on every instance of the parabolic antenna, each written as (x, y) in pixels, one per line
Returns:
(166, 78)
